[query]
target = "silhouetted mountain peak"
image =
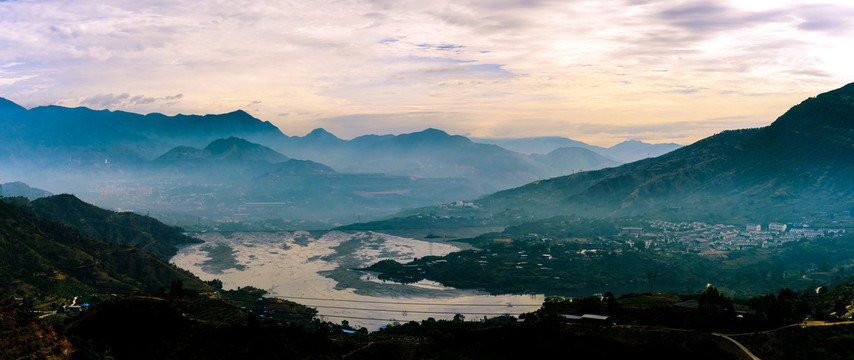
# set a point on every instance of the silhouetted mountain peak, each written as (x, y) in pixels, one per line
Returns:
(321, 134)
(9, 106)
(828, 112)
(431, 136)
(431, 132)
(237, 149)
(239, 113)
(18, 188)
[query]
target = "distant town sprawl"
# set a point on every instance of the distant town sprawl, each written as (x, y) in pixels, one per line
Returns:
(707, 239)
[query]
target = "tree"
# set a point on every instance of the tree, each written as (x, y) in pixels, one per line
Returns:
(841, 308)
(216, 284)
(715, 308)
(459, 317)
(651, 275)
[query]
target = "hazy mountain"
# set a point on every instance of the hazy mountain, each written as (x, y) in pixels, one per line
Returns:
(430, 153)
(44, 259)
(235, 178)
(230, 151)
(433, 153)
(624, 152)
(568, 160)
(18, 188)
(634, 150)
(800, 163)
(537, 145)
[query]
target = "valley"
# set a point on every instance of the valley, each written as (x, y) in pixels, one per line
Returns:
(740, 232)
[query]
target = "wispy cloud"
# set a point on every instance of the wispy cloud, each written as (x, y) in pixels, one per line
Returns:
(125, 100)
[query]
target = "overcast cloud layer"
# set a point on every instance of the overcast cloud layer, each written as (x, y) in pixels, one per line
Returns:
(598, 71)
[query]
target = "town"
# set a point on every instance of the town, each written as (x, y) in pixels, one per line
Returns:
(712, 240)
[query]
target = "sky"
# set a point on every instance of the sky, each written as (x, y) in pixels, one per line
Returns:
(599, 71)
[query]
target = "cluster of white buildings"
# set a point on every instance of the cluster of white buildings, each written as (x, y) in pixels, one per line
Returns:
(702, 237)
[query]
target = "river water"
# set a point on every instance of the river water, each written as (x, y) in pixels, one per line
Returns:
(318, 270)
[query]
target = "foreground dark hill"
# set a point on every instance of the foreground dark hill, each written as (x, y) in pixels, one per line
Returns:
(53, 263)
(800, 163)
(120, 228)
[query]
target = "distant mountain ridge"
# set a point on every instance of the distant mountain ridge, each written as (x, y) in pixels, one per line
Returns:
(18, 188)
(434, 153)
(624, 152)
(84, 136)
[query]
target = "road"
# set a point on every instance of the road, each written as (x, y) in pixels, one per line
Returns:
(747, 352)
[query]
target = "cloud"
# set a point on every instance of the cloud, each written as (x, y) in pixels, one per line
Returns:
(125, 100)
(11, 80)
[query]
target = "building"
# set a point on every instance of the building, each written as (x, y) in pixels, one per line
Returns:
(754, 227)
(777, 227)
(631, 231)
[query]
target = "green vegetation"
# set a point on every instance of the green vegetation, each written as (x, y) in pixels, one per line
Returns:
(25, 338)
(572, 256)
(191, 326)
(220, 257)
(49, 264)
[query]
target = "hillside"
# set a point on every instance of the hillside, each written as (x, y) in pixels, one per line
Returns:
(25, 337)
(800, 163)
(120, 228)
(52, 263)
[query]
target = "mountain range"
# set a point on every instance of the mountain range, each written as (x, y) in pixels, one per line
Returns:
(216, 166)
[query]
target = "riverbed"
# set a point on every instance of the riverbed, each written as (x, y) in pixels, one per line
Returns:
(320, 270)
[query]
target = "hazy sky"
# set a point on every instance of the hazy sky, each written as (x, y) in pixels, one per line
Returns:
(597, 71)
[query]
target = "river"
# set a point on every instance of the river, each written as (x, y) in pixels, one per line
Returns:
(317, 269)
